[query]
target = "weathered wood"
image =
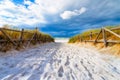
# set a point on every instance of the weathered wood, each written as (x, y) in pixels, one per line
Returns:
(3, 45)
(8, 37)
(101, 41)
(39, 38)
(22, 32)
(18, 41)
(14, 30)
(21, 38)
(91, 36)
(80, 39)
(36, 35)
(112, 32)
(31, 40)
(115, 28)
(98, 36)
(104, 37)
(10, 30)
(103, 32)
(15, 40)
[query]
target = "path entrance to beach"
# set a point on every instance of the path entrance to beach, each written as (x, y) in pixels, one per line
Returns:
(59, 61)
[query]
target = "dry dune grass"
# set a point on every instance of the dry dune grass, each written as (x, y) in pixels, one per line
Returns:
(86, 35)
(112, 48)
(116, 49)
(5, 46)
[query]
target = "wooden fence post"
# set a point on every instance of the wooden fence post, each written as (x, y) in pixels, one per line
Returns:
(21, 37)
(90, 35)
(80, 39)
(39, 38)
(104, 37)
(36, 35)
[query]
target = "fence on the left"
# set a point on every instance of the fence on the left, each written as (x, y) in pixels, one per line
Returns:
(22, 37)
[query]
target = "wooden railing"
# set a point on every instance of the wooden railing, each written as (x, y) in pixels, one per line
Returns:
(7, 40)
(104, 36)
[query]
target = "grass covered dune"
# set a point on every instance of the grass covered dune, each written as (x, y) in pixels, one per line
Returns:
(29, 38)
(112, 48)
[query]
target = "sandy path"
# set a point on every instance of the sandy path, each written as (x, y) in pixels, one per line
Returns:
(59, 61)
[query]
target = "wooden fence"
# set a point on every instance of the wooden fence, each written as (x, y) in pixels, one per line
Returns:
(19, 41)
(104, 36)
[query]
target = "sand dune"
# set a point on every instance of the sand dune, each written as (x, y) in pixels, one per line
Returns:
(59, 61)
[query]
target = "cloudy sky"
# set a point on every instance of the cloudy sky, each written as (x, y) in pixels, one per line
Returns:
(60, 18)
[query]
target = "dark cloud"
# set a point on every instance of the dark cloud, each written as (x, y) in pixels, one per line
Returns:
(99, 13)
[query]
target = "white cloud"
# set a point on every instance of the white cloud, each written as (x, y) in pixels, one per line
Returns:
(41, 11)
(70, 14)
(54, 6)
(18, 14)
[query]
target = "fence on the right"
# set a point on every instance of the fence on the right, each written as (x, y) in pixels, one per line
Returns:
(104, 34)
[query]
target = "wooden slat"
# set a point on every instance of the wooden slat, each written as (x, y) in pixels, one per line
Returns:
(101, 41)
(112, 32)
(31, 39)
(90, 36)
(10, 30)
(98, 36)
(104, 37)
(16, 40)
(8, 37)
(14, 30)
(115, 28)
(80, 39)
(21, 38)
(35, 37)
(105, 41)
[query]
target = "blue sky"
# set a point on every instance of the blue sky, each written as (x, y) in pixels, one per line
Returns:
(60, 18)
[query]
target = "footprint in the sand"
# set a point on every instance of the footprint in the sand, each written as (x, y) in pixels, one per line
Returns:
(76, 65)
(5, 64)
(67, 61)
(60, 72)
(45, 75)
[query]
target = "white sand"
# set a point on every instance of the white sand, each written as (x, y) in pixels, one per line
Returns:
(62, 40)
(59, 61)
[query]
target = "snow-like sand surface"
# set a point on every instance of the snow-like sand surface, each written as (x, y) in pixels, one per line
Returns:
(62, 40)
(59, 61)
